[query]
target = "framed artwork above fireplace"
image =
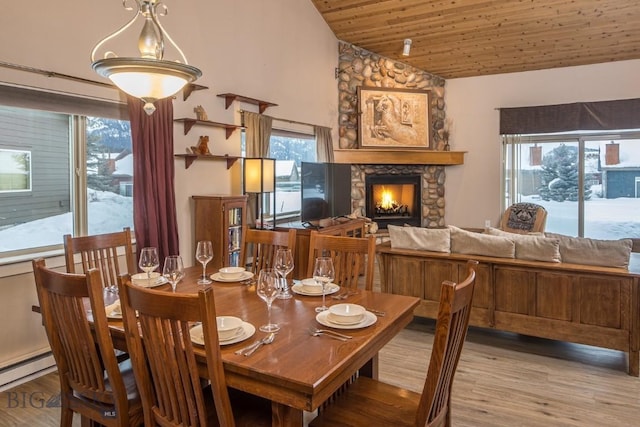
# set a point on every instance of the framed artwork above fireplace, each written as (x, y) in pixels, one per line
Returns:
(394, 118)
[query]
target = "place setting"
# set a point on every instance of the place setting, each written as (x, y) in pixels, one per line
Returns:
(346, 316)
(311, 288)
(113, 310)
(231, 330)
(232, 275)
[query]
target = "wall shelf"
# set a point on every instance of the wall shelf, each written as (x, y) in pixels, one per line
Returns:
(399, 157)
(230, 97)
(190, 158)
(189, 123)
(189, 88)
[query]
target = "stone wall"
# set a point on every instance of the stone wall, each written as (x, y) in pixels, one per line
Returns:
(363, 68)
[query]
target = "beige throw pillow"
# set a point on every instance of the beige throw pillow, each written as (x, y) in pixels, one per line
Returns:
(425, 239)
(531, 247)
(606, 253)
(468, 242)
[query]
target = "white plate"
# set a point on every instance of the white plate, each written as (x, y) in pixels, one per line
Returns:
(368, 320)
(331, 288)
(247, 331)
(141, 280)
(218, 278)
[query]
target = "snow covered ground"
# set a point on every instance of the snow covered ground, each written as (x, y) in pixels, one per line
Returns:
(108, 212)
(604, 218)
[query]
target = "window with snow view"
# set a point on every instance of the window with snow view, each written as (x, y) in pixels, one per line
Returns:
(61, 174)
(588, 183)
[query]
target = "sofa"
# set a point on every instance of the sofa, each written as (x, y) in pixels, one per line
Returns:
(544, 285)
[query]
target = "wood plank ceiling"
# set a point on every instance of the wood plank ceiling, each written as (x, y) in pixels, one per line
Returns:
(463, 38)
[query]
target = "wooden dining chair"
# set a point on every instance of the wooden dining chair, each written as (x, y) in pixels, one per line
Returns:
(351, 257)
(100, 251)
(368, 402)
(260, 246)
(92, 383)
(165, 366)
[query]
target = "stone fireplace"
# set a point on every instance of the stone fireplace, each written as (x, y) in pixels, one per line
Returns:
(427, 200)
(393, 199)
(360, 68)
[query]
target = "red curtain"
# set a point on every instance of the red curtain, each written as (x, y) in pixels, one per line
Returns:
(154, 202)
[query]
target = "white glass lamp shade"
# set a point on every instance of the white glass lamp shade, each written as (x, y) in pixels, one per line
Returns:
(147, 79)
(259, 175)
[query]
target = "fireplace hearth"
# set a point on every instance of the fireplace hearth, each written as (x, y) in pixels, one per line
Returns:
(393, 199)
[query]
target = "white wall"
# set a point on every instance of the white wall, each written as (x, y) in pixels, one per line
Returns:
(473, 189)
(279, 51)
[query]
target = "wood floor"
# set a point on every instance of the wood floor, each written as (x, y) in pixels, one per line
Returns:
(506, 379)
(503, 379)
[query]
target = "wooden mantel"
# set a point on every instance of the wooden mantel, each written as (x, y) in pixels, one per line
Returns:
(399, 157)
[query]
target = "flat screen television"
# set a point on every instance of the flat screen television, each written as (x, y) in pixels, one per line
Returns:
(326, 190)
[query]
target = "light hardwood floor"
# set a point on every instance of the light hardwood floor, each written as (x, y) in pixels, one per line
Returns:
(506, 379)
(503, 379)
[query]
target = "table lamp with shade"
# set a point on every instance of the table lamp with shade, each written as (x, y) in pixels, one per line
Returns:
(260, 178)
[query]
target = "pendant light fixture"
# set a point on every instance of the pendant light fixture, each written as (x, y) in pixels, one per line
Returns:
(149, 77)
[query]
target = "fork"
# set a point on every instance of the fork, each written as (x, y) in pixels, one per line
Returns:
(338, 336)
(376, 312)
(344, 295)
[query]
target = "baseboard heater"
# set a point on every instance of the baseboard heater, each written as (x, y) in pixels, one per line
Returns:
(26, 370)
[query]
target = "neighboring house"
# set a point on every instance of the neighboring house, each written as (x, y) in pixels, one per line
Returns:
(123, 173)
(120, 168)
(621, 170)
(286, 171)
(47, 191)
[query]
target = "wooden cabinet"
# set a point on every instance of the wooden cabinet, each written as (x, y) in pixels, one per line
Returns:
(352, 228)
(220, 219)
(585, 304)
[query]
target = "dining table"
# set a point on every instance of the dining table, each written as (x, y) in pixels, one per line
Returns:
(298, 371)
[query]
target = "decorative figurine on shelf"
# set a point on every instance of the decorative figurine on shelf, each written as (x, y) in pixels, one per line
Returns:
(200, 113)
(203, 146)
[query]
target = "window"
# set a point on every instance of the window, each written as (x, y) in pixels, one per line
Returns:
(15, 170)
(289, 149)
(588, 182)
(61, 172)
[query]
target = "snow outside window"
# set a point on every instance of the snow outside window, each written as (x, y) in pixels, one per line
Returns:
(61, 174)
(586, 182)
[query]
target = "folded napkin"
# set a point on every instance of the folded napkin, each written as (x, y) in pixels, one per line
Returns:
(114, 309)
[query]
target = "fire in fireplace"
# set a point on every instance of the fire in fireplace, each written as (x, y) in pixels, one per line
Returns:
(393, 199)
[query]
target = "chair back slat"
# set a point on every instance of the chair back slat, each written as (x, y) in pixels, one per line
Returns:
(101, 252)
(451, 329)
(351, 257)
(165, 363)
(260, 247)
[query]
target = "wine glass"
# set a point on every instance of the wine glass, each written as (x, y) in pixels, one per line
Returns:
(323, 273)
(148, 261)
(267, 289)
(204, 254)
(283, 264)
(173, 270)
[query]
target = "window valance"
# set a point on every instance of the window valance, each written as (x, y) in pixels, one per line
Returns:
(603, 115)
